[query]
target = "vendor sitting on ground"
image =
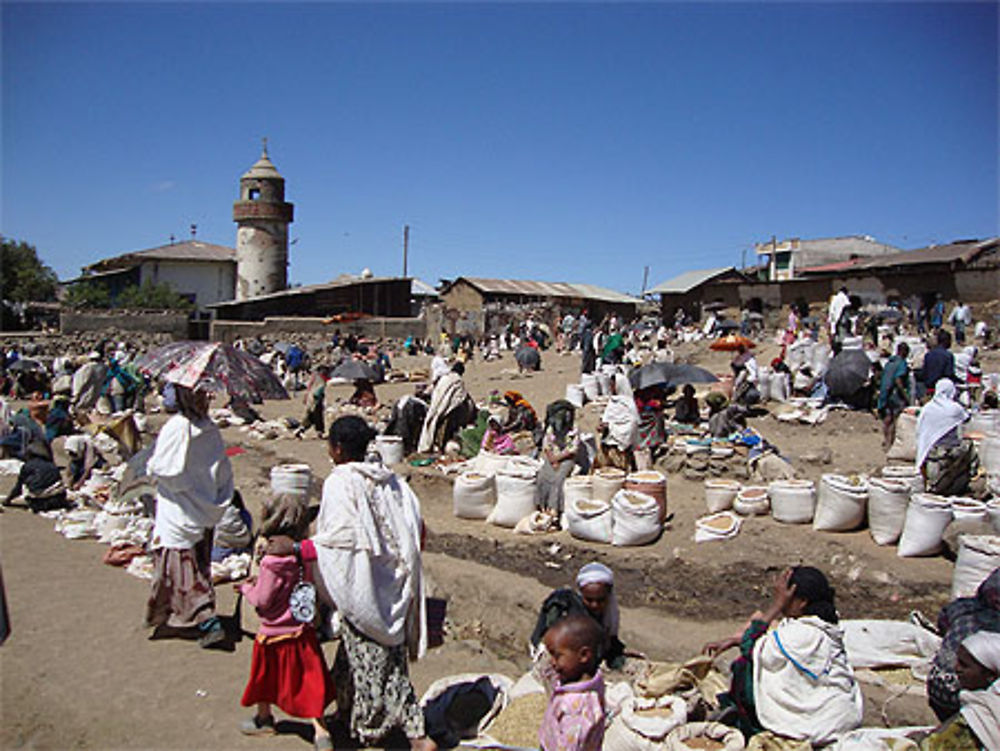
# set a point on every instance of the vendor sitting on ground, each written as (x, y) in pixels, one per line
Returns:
(686, 410)
(594, 596)
(562, 452)
(520, 414)
(364, 394)
(947, 461)
(84, 458)
(40, 481)
(495, 439)
(651, 430)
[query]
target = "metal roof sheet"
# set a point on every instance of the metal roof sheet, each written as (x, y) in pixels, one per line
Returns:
(963, 251)
(344, 280)
(548, 289)
(687, 281)
(190, 250)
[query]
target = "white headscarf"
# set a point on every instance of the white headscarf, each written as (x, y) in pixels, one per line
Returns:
(985, 647)
(598, 573)
(938, 418)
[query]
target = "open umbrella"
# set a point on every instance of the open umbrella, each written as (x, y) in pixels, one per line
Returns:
(847, 373)
(215, 367)
(726, 325)
(354, 370)
(718, 305)
(669, 374)
(730, 343)
(528, 357)
(24, 363)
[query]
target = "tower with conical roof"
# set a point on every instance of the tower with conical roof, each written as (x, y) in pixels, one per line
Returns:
(262, 217)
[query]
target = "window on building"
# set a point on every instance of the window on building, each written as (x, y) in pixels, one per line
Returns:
(254, 194)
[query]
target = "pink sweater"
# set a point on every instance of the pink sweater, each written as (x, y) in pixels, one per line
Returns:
(269, 594)
(574, 718)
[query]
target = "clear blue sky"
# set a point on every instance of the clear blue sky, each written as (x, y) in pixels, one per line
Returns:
(575, 142)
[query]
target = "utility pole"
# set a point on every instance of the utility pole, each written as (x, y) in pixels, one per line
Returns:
(645, 280)
(406, 245)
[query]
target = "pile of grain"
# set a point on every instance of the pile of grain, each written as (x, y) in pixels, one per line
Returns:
(518, 723)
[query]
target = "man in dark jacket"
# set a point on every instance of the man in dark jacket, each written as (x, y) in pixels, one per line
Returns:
(939, 363)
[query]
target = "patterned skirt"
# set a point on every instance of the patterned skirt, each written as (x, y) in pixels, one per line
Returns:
(182, 594)
(289, 671)
(374, 693)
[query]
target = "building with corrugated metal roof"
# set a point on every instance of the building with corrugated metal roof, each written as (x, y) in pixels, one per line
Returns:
(201, 272)
(694, 289)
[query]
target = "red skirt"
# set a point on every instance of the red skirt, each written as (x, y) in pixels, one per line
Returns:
(289, 671)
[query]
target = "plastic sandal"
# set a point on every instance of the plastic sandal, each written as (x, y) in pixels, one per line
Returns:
(257, 726)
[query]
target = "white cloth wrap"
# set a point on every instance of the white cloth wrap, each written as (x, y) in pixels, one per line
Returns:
(940, 416)
(194, 481)
(622, 419)
(368, 549)
(817, 707)
(981, 709)
(449, 393)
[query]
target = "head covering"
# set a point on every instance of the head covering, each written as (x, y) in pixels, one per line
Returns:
(812, 585)
(188, 403)
(559, 416)
(984, 646)
(75, 445)
(598, 573)
(439, 367)
(940, 416)
(287, 514)
(38, 407)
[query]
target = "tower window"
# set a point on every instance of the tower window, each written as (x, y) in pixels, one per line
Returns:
(254, 194)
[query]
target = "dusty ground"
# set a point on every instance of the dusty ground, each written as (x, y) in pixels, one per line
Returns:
(80, 672)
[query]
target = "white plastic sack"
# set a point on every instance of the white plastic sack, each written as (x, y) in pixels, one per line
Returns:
(887, 502)
(591, 388)
(589, 520)
(874, 643)
(926, 519)
(607, 481)
(993, 513)
(978, 556)
(440, 688)
(720, 494)
(577, 487)
(575, 395)
(904, 448)
(474, 495)
(989, 454)
(515, 499)
(635, 518)
(878, 739)
(730, 738)
(969, 510)
(635, 729)
(840, 504)
(778, 387)
(720, 526)
(792, 501)
(752, 501)
(488, 463)
(907, 473)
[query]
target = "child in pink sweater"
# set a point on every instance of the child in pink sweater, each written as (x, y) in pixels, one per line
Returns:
(288, 668)
(574, 718)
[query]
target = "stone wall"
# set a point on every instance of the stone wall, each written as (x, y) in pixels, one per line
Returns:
(170, 322)
(374, 328)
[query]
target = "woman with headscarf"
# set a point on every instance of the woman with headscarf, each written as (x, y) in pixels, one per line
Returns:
(561, 453)
(976, 724)
(194, 483)
(651, 431)
(594, 596)
(619, 427)
(39, 481)
(794, 679)
(520, 414)
(957, 620)
(450, 410)
(368, 563)
(946, 460)
(83, 459)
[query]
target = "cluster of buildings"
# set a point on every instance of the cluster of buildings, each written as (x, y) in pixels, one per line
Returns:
(236, 289)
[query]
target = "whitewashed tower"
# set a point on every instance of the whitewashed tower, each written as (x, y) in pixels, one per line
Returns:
(262, 217)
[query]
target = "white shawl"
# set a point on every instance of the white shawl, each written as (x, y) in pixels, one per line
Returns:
(981, 709)
(622, 419)
(449, 393)
(368, 548)
(194, 481)
(838, 304)
(804, 687)
(940, 416)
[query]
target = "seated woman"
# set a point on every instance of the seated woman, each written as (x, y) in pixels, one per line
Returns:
(451, 409)
(83, 459)
(520, 414)
(976, 724)
(40, 481)
(793, 680)
(946, 461)
(495, 439)
(957, 620)
(686, 410)
(562, 451)
(619, 429)
(364, 394)
(594, 596)
(59, 421)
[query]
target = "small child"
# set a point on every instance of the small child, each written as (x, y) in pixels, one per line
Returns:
(574, 718)
(495, 440)
(288, 667)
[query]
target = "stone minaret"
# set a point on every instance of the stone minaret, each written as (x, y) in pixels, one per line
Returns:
(262, 216)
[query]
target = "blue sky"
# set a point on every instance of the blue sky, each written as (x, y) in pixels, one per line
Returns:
(569, 141)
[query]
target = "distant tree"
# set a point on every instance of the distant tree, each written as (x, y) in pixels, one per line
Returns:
(88, 295)
(150, 296)
(23, 276)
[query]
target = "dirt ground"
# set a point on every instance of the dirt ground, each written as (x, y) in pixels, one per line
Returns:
(79, 670)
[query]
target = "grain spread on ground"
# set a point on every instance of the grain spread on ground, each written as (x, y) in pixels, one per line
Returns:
(704, 743)
(518, 723)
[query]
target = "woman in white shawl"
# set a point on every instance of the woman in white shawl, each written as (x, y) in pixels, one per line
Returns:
(367, 553)
(946, 460)
(451, 408)
(194, 482)
(620, 427)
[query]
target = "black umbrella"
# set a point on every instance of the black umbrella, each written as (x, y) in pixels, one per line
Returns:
(354, 370)
(528, 358)
(282, 347)
(847, 373)
(714, 306)
(24, 363)
(889, 314)
(669, 374)
(726, 325)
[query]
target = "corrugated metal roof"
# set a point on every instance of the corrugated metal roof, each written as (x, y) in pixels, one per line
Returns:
(548, 289)
(345, 280)
(190, 250)
(421, 288)
(688, 281)
(963, 251)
